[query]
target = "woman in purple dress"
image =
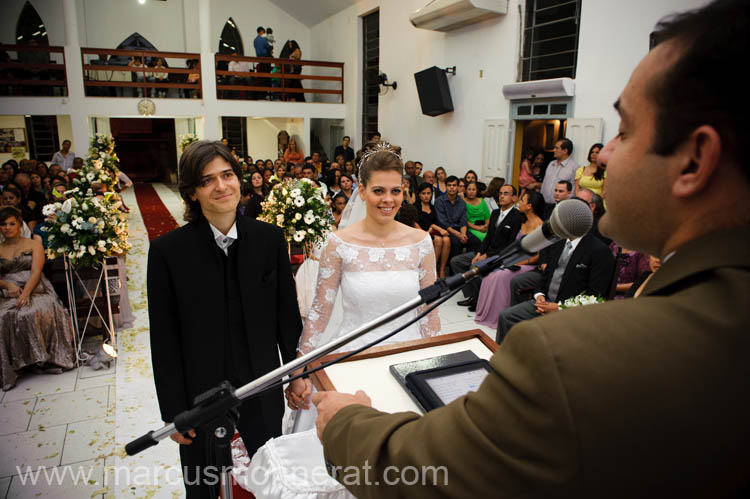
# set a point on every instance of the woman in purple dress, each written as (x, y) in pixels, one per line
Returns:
(494, 295)
(632, 264)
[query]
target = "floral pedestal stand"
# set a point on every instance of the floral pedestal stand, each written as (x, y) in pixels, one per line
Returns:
(73, 279)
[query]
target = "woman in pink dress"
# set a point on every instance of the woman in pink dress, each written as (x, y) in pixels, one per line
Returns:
(494, 295)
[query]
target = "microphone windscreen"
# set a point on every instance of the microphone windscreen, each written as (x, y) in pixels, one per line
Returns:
(571, 218)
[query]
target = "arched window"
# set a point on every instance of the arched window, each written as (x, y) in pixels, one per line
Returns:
(136, 41)
(30, 28)
(231, 41)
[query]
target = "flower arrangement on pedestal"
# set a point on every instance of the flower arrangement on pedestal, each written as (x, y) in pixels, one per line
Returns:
(186, 140)
(103, 148)
(93, 172)
(86, 229)
(299, 208)
(580, 301)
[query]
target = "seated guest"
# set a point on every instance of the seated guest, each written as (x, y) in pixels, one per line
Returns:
(502, 229)
(451, 216)
(477, 214)
(526, 180)
(461, 188)
(440, 177)
(640, 282)
(410, 172)
(406, 188)
(30, 197)
(253, 194)
(593, 175)
(12, 197)
(346, 183)
(35, 328)
(494, 294)
(471, 176)
(427, 221)
(596, 203)
(4, 179)
(632, 264)
(580, 265)
(492, 193)
(338, 203)
(292, 154)
(563, 190)
(407, 215)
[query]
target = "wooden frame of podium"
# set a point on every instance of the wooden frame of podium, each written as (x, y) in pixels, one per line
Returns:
(322, 382)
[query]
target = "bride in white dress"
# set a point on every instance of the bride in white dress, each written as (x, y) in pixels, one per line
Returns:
(378, 264)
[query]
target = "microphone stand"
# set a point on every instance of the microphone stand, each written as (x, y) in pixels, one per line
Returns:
(215, 411)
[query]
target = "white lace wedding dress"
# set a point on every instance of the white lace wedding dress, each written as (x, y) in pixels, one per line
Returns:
(371, 281)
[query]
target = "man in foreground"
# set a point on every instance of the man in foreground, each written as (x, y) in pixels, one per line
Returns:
(222, 304)
(634, 398)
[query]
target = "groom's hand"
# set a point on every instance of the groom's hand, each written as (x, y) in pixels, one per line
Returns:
(329, 403)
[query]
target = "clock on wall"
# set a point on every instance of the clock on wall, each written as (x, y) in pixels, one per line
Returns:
(146, 107)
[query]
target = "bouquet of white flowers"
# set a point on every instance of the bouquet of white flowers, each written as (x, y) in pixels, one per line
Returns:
(186, 140)
(93, 171)
(86, 229)
(298, 207)
(580, 301)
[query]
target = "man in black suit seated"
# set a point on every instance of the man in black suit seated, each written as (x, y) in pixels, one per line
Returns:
(581, 265)
(562, 191)
(596, 203)
(504, 224)
(222, 306)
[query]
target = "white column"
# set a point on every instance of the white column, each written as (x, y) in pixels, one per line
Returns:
(208, 77)
(74, 73)
(306, 128)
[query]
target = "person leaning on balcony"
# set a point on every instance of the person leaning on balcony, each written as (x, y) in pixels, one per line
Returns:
(293, 154)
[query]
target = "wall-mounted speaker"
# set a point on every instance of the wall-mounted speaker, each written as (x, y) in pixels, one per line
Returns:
(434, 93)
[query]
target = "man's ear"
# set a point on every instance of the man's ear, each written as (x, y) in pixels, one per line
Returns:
(698, 159)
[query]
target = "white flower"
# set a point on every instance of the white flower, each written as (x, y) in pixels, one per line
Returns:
(299, 201)
(298, 216)
(48, 210)
(92, 220)
(64, 228)
(299, 236)
(67, 205)
(280, 218)
(288, 200)
(92, 250)
(296, 193)
(309, 218)
(102, 244)
(103, 154)
(283, 192)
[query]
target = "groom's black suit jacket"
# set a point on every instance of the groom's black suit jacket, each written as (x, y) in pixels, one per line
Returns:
(187, 312)
(590, 269)
(499, 237)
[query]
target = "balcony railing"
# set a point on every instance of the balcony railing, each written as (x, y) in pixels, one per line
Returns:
(275, 79)
(135, 73)
(27, 70)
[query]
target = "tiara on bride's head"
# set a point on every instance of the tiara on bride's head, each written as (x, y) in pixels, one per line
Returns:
(379, 147)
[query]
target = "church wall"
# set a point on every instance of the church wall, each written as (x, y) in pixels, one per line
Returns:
(613, 37)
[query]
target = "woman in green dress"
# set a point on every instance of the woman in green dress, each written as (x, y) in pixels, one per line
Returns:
(477, 212)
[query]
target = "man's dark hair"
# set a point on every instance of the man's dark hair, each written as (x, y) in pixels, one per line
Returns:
(418, 163)
(346, 137)
(567, 183)
(567, 144)
(260, 28)
(450, 179)
(196, 156)
(693, 91)
(308, 166)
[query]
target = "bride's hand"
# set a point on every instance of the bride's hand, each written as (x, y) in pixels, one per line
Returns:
(298, 394)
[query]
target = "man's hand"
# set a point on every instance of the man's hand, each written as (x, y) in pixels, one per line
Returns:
(546, 307)
(329, 403)
(181, 439)
(479, 257)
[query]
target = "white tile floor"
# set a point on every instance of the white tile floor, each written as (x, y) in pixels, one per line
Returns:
(66, 423)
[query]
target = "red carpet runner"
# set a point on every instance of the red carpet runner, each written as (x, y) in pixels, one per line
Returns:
(156, 217)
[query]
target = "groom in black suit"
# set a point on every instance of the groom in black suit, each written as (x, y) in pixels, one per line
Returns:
(222, 304)
(502, 229)
(581, 265)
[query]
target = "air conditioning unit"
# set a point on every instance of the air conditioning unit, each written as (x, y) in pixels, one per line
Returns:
(537, 89)
(447, 15)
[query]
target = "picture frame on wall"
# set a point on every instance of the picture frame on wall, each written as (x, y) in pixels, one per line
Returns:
(11, 139)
